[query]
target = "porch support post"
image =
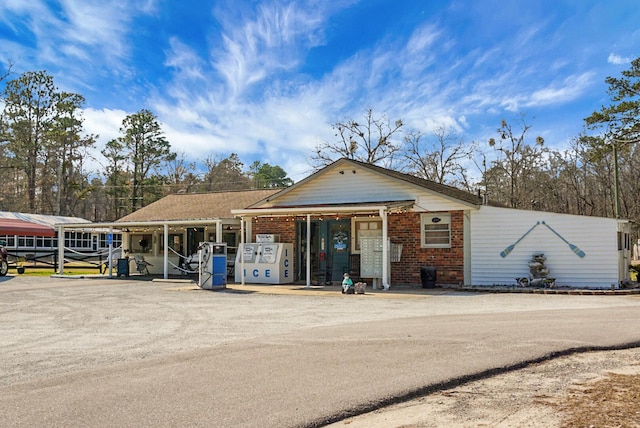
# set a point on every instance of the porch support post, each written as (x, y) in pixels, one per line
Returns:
(165, 238)
(218, 231)
(242, 250)
(110, 259)
(308, 251)
(385, 249)
(60, 250)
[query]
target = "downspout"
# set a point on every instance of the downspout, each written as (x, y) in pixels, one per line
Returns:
(60, 250)
(467, 267)
(308, 250)
(385, 249)
(166, 251)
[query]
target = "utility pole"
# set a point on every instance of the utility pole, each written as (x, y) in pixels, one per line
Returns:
(616, 177)
(616, 180)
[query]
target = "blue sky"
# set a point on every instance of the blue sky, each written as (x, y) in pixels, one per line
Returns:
(267, 79)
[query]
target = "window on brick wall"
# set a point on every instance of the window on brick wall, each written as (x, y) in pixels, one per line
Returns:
(436, 230)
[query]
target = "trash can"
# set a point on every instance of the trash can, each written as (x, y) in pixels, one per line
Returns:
(123, 267)
(428, 276)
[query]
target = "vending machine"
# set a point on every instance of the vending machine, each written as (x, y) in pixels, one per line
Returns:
(265, 263)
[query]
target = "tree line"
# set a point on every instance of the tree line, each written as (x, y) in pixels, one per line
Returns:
(44, 152)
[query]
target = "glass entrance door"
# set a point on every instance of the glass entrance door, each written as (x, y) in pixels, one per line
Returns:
(330, 249)
(339, 247)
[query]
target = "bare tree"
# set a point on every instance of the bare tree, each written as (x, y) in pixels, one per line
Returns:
(511, 173)
(438, 159)
(370, 141)
(180, 176)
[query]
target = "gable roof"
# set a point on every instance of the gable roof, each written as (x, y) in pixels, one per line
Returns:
(197, 206)
(442, 189)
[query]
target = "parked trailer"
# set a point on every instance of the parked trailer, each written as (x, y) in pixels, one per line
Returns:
(32, 240)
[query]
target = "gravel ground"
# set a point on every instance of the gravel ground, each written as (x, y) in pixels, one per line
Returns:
(53, 327)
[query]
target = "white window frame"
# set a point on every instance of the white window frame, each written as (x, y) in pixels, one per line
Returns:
(433, 219)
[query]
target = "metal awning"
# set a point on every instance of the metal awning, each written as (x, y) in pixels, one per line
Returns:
(10, 226)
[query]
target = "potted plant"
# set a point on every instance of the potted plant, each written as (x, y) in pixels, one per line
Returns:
(20, 264)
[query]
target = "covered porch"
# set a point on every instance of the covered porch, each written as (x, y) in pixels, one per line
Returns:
(165, 247)
(323, 233)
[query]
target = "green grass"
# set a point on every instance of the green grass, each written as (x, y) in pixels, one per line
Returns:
(49, 272)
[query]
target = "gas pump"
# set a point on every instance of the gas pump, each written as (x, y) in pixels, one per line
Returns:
(212, 265)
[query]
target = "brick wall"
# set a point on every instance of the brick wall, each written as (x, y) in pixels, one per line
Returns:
(283, 226)
(449, 262)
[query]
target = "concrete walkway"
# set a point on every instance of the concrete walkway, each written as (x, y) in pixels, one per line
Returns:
(411, 291)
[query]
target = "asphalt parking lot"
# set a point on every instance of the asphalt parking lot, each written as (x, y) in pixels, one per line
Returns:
(101, 352)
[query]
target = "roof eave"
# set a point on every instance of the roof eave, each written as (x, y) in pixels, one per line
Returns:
(319, 210)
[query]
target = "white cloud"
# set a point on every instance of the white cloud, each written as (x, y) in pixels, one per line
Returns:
(572, 87)
(75, 36)
(184, 60)
(104, 122)
(96, 24)
(10, 9)
(212, 109)
(275, 40)
(617, 59)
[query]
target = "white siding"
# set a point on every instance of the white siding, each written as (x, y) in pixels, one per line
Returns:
(494, 229)
(433, 202)
(363, 186)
